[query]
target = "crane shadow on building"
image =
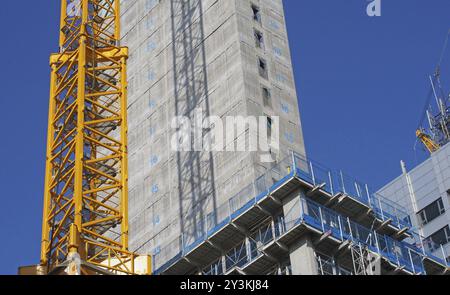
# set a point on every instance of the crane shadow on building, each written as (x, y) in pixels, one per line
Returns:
(196, 180)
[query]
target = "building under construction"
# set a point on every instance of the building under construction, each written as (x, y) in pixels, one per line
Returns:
(117, 191)
(226, 58)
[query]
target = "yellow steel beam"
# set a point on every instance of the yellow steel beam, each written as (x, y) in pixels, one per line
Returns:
(102, 55)
(47, 197)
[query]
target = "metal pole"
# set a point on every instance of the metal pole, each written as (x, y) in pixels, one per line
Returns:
(396, 255)
(294, 162)
(302, 208)
(272, 224)
(396, 216)
(229, 209)
(443, 253)
(331, 182)
(357, 189)
(350, 228)
(411, 260)
(321, 219)
(249, 249)
(335, 267)
(312, 173)
(182, 244)
(376, 242)
(369, 201)
(381, 209)
(342, 182)
(423, 246)
(441, 110)
(340, 228)
(224, 263)
(205, 228)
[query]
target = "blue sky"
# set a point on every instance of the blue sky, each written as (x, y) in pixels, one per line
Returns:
(362, 85)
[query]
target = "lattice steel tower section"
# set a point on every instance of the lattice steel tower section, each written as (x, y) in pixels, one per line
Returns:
(85, 215)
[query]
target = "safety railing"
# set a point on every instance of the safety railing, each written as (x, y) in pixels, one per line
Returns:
(329, 266)
(338, 182)
(407, 255)
(238, 256)
(385, 209)
(430, 248)
(215, 269)
(294, 165)
(402, 254)
(251, 248)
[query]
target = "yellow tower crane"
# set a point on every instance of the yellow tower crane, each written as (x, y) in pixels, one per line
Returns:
(85, 215)
(427, 141)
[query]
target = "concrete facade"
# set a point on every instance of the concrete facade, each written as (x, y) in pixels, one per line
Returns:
(199, 54)
(427, 188)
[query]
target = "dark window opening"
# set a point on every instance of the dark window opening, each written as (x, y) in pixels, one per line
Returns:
(259, 39)
(441, 237)
(267, 96)
(256, 13)
(431, 212)
(269, 127)
(263, 71)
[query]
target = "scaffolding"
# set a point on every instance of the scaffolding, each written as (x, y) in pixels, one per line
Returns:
(328, 266)
(85, 215)
(251, 237)
(359, 259)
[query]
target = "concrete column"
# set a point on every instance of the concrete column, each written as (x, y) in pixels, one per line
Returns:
(303, 260)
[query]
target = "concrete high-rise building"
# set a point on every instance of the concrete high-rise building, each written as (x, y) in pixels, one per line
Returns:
(227, 58)
(425, 193)
(224, 212)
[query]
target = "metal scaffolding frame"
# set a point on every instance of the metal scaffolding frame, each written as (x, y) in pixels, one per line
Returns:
(328, 265)
(360, 259)
(319, 210)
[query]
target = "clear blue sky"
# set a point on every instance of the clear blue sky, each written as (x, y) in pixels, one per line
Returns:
(362, 84)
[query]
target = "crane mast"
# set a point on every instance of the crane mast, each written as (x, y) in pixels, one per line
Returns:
(85, 214)
(437, 133)
(437, 113)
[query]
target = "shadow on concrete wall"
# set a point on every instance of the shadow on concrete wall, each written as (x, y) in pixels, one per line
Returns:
(196, 183)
